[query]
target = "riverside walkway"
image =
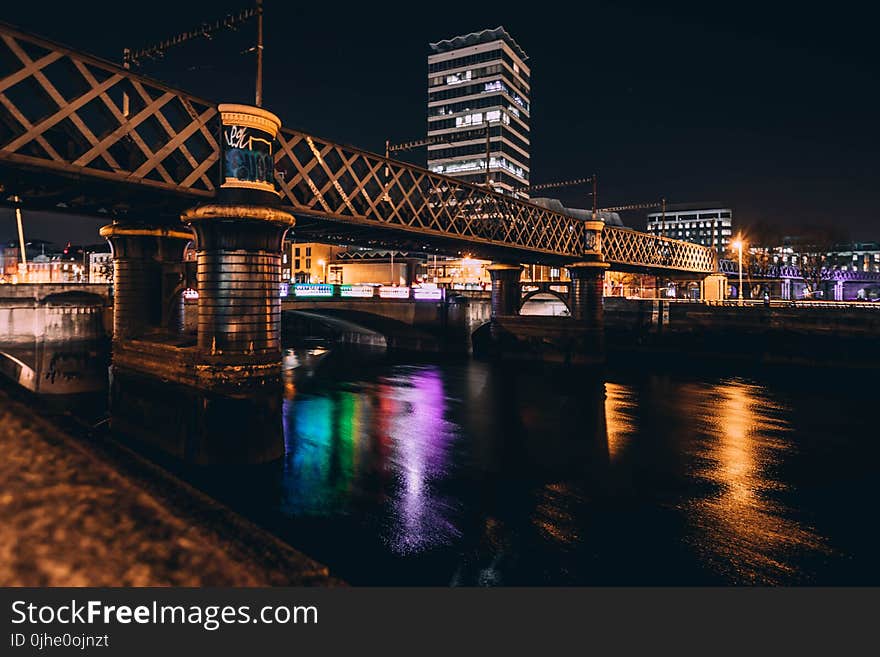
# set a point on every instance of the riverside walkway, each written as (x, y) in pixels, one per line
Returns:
(75, 514)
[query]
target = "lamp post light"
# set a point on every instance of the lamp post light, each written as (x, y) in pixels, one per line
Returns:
(738, 245)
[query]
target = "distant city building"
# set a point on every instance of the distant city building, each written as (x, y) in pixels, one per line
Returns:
(704, 224)
(377, 267)
(852, 256)
(856, 256)
(307, 262)
(100, 268)
(474, 81)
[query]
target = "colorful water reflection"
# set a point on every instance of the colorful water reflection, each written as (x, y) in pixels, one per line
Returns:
(387, 439)
(480, 475)
(742, 529)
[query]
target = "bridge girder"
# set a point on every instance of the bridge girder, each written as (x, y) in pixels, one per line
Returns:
(64, 140)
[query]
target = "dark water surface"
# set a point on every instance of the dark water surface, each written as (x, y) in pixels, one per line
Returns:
(472, 473)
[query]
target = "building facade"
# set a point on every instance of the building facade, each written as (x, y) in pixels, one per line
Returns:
(100, 268)
(704, 224)
(479, 82)
(307, 262)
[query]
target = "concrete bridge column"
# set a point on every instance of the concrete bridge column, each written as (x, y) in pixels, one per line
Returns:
(140, 255)
(506, 294)
(239, 243)
(218, 400)
(239, 277)
(585, 291)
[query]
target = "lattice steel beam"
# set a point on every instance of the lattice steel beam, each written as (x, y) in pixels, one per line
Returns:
(633, 249)
(348, 185)
(61, 110)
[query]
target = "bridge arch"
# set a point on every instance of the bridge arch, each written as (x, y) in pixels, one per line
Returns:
(77, 298)
(359, 328)
(530, 301)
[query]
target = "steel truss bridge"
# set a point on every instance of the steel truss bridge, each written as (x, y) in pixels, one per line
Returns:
(65, 142)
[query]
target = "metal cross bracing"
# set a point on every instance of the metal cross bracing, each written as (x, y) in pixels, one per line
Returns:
(324, 179)
(634, 250)
(61, 112)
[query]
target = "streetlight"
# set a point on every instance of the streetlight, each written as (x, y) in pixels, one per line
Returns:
(738, 245)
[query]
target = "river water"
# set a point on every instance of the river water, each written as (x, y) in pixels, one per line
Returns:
(472, 473)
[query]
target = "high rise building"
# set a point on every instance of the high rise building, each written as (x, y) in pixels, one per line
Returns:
(707, 224)
(476, 82)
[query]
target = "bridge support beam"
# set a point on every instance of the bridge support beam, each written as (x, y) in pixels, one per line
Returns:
(506, 295)
(587, 305)
(141, 256)
(239, 277)
(585, 291)
(217, 399)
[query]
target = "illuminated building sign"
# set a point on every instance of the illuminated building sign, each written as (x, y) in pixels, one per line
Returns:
(358, 291)
(248, 138)
(285, 289)
(428, 294)
(388, 292)
(312, 290)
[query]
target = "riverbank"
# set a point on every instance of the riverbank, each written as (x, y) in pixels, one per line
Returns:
(79, 512)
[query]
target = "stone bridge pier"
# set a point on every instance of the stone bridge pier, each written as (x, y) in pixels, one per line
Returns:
(212, 398)
(505, 301)
(585, 298)
(578, 338)
(147, 273)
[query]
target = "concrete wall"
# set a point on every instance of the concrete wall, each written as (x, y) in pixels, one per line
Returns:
(773, 334)
(53, 339)
(40, 291)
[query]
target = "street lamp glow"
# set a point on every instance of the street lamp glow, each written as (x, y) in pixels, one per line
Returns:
(738, 245)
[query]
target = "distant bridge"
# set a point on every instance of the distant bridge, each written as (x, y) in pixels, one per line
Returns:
(65, 143)
(731, 268)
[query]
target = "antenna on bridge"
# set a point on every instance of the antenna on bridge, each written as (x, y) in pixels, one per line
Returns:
(207, 30)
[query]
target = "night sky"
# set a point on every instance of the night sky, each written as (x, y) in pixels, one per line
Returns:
(770, 108)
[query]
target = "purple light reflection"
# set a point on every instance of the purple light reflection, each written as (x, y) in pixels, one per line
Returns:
(421, 441)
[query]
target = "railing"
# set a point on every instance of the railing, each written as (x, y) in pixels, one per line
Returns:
(778, 303)
(731, 268)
